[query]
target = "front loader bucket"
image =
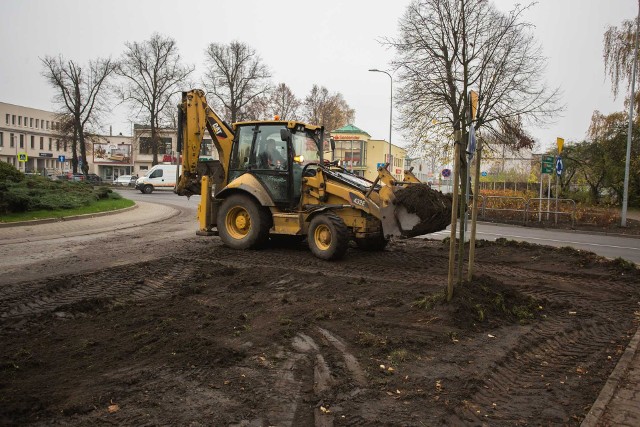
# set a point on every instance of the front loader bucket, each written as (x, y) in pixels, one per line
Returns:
(416, 209)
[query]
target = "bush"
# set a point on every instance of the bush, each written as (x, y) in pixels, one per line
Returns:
(36, 193)
(8, 172)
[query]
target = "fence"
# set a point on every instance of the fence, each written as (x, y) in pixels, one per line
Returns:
(522, 210)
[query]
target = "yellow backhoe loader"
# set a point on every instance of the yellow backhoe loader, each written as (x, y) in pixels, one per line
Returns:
(272, 180)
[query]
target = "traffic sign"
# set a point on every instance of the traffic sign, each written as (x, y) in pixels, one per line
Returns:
(559, 166)
(547, 164)
(61, 158)
(22, 157)
(379, 165)
(484, 173)
(446, 173)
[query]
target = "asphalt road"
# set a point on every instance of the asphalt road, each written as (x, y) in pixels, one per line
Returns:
(610, 246)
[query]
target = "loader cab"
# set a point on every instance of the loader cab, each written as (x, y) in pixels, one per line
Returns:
(276, 153)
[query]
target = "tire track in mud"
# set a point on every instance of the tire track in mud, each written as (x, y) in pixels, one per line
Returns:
(70, 295)
(314, 372)
(536, 370)
(547, 286)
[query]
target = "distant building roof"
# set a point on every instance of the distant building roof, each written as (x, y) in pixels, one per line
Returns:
(350, 129)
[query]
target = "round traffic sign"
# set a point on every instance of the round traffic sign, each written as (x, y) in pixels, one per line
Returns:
(559, 166)
(446, 173)
(484, 173)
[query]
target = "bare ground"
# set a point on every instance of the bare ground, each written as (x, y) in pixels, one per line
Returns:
(278, 337)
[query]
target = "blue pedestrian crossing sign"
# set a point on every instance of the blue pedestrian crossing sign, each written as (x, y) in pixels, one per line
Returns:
(61, 158)
(22, 157)
(559, 166)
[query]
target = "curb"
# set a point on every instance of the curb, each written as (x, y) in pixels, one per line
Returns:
(66, 218)
(610, 387)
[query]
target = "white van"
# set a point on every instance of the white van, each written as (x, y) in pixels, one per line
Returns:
(158, 177)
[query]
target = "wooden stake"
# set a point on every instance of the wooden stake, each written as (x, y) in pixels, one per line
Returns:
(474, 214)
(454, 215)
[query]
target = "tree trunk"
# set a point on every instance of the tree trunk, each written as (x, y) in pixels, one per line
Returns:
(83, 152)
(74, 150)
(154, 140)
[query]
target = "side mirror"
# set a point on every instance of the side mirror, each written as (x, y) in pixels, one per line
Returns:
(285, 135)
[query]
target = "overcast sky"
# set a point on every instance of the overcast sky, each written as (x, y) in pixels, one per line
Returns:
(331, 43)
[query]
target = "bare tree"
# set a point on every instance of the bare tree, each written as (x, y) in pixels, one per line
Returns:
(153, 73)
(80, 98)
(284, 103)
(326, 109)
(235, 76)
(447, 47)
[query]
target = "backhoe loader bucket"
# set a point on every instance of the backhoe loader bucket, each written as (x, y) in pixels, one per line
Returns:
(416, 209)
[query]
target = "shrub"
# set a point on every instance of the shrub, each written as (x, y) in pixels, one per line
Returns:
(8, 172)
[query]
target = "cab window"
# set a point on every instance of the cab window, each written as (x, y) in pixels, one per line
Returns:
(271, 150)
(240, 159)
(156, 173)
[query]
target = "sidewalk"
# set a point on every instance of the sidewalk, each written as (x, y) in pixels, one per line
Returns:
(144, 213)
(619, 401)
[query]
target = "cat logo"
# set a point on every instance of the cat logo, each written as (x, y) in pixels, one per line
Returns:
(358, 201)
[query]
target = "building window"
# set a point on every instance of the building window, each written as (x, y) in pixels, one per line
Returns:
(21, 141)
(50, 143)
(13, 119)
(30, 122)
(33, 141)
(8, 115)
(47, 124)
(1, 139)
(42, 143)
(57, 145)
(12, 142)
(37, 123)
(19, 120)
(65, 146)
(164, 146)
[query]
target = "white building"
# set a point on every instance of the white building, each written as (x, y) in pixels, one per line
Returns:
(32, 135)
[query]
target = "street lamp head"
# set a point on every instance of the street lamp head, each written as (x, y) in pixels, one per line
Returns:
(374, 69)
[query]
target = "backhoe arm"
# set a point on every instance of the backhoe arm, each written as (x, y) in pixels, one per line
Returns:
(194, 116)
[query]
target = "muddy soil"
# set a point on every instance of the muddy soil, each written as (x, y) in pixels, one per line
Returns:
(432, 207)
(278, 337)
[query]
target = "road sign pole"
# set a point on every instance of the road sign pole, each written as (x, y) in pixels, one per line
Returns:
(548, 197)
(540, 197)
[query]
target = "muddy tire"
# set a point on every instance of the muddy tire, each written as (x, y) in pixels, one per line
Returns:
(328, 236)
(372, 243)
(242, 223)
(147, 189)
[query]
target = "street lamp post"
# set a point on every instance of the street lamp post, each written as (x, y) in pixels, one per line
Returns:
(375, 70)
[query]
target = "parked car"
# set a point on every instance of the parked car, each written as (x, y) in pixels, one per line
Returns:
(92, 177)
(122, 180)
(132, 181)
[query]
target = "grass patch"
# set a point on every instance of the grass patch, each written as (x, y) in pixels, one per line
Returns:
(102, 205)
(430, 301)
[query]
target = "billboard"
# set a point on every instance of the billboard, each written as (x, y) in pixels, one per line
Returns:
(112, 153)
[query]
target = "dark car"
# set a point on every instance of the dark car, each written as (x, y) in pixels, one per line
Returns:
(92, 177)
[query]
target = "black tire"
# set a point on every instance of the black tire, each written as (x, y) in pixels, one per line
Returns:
(147, 189)
(243, 223)
(328, 236)
(372, 243)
